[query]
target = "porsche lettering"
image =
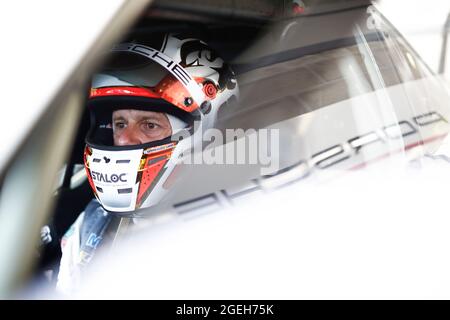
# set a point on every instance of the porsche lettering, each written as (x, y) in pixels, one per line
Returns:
(320, 160)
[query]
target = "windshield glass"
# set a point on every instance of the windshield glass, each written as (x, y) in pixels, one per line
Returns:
(349, 96)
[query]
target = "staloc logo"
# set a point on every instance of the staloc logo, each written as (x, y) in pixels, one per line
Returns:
(97, 176)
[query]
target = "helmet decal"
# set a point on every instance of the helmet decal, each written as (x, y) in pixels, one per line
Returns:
(171, 65)
(195, 53)
(209, 89)
(154, 168)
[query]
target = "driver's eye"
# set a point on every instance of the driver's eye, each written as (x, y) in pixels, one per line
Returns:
(119, 125)
(151, 125)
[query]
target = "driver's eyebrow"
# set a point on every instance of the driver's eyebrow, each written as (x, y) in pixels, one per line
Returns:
(152, 118)
(118, 118)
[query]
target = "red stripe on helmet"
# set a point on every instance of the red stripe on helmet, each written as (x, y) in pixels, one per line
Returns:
(172, 92)
(123, 91)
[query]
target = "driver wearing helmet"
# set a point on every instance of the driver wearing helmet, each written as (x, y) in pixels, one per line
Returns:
(146, 96)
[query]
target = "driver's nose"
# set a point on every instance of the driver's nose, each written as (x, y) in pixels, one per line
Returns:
(127, 137)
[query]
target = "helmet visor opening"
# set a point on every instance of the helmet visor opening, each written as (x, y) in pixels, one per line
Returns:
(101, 133)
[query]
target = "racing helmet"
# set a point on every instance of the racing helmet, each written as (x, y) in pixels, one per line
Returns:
(181, 77)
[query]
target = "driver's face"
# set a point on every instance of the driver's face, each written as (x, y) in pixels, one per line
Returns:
(131, 127)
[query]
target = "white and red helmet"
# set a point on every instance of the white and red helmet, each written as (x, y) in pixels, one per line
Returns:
(185, 79)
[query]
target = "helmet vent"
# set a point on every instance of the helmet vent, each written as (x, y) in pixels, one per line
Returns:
(126, 190)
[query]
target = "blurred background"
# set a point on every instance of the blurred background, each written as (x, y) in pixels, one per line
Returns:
(423, 24)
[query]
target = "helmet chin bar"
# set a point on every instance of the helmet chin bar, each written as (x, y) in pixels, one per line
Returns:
(123, 180)
(112, 176)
